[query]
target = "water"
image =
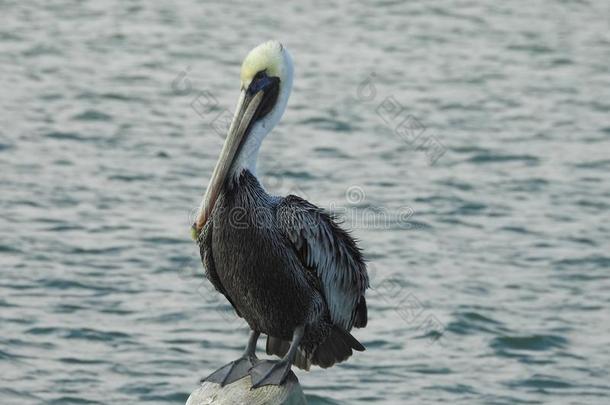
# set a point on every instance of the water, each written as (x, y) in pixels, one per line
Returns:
(490, 266)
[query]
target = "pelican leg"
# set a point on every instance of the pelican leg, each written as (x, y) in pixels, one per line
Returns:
(237, 369)
(270, 372)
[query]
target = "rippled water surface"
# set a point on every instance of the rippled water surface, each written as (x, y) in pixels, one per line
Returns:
(489, 267)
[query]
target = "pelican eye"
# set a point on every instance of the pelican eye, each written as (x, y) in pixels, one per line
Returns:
(259, 74)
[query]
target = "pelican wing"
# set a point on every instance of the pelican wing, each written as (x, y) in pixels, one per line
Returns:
(205, 247)
(329, 251)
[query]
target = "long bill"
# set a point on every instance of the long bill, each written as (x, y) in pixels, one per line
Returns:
(245, 114)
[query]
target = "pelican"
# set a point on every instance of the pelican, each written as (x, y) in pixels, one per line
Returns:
(284, 264)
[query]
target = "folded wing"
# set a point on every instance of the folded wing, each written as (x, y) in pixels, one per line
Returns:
(332, 254)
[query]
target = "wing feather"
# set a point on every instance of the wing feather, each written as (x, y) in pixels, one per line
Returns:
(329, 250)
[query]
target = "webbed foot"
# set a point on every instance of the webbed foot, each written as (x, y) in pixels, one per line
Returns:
(233, 371)
(269, 372)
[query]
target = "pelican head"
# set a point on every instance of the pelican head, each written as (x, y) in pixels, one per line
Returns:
(266, 81)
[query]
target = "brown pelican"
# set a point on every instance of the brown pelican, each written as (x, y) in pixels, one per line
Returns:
(284, 264)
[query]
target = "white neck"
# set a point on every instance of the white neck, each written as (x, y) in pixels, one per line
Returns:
(248, 154)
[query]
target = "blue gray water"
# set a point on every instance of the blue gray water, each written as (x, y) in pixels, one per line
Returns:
(466, 145)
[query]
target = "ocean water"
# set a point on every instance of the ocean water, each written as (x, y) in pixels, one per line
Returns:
(465, 144)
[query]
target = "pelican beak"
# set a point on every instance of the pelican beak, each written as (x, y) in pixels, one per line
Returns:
(254, 102)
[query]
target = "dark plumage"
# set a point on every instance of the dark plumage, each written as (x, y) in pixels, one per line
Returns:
(281, 263)
(286, 267)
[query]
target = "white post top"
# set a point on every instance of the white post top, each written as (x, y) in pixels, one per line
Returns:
(239, 392)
